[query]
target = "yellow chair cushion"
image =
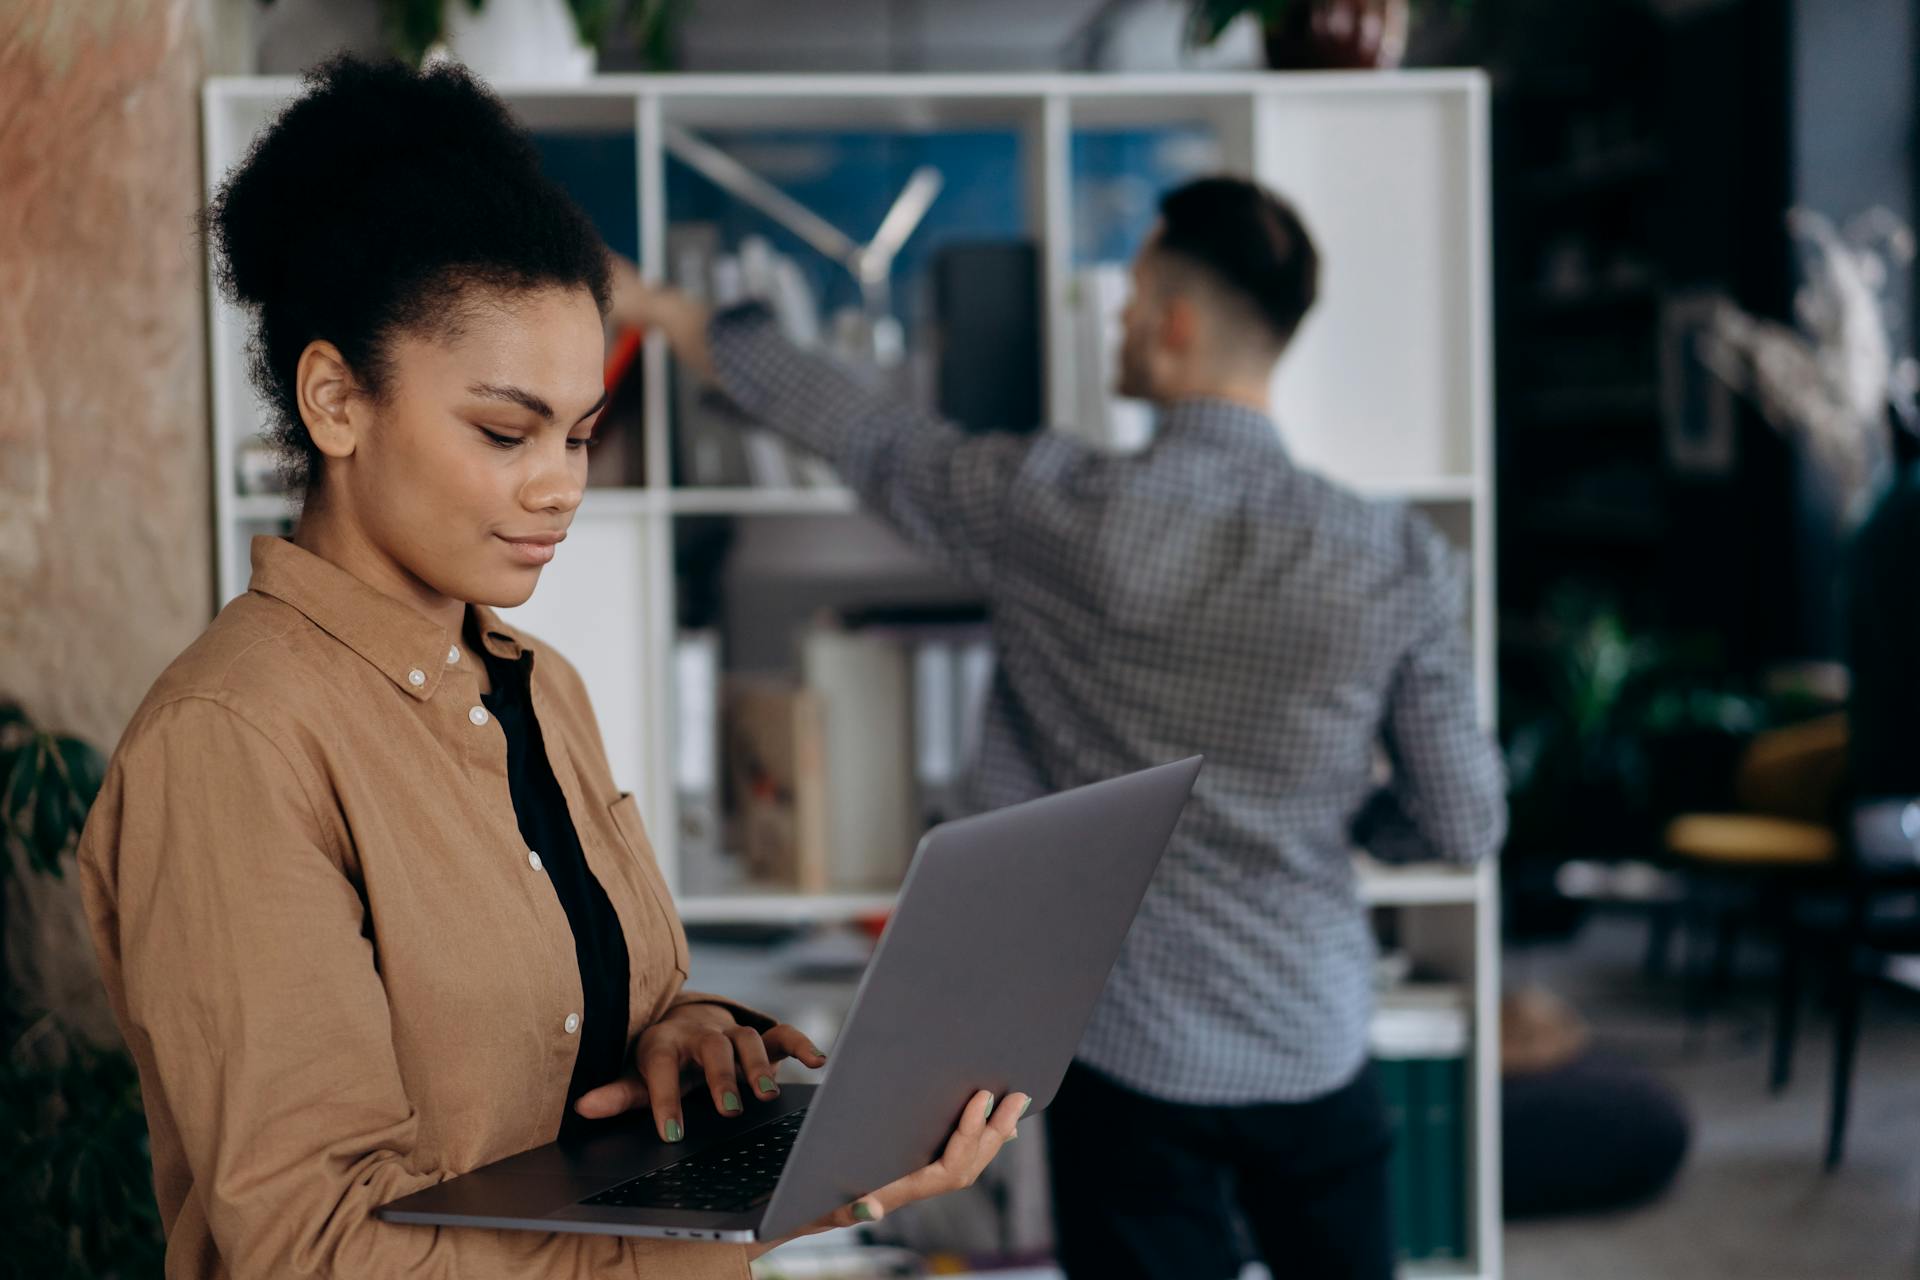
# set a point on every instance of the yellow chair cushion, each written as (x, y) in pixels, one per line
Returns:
(1739, 839)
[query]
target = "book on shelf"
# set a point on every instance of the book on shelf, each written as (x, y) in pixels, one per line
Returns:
(776, 771)
(936, 735)
(706, 435)
(864, 682)
(1419, 1041)
(950, 652)
(696, 762)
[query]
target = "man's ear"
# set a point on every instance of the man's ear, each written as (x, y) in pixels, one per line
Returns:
(327, 397)
(1180, 324)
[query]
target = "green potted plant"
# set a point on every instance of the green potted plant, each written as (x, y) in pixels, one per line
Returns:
(75, 1171)
(1609, 730)
(1308, 35)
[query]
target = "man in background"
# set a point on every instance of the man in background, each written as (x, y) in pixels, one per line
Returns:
(1202, 596)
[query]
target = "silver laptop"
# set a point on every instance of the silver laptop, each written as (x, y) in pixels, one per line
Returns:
(1001, 941)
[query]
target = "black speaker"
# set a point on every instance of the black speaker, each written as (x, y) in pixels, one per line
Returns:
(987, 314)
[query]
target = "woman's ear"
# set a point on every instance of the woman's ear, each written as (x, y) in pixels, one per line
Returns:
(326, 393)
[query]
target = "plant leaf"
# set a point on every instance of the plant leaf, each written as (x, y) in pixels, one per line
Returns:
(83, 768)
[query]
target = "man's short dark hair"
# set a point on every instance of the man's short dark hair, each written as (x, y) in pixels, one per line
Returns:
(1250, 241)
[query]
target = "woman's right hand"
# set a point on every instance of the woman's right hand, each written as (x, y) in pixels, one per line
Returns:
(982, 1131)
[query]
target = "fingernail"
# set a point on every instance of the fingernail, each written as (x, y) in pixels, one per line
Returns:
(1026, 1106)
(767, 1085)
(729, 1101)
(674, 1131)
(861, 1213)
(989, 1114)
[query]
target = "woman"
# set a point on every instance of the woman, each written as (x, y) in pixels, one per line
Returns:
(370, 908)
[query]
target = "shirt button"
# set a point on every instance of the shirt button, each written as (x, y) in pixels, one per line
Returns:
(453, 654)
(533, 860)
(416, 677)
(478, 715)
(573, 1023)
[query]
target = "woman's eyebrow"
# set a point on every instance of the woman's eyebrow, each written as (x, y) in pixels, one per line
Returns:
(528, 400)
(598, 405)
(513, 395)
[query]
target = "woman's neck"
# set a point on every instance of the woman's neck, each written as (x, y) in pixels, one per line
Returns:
(331, 534)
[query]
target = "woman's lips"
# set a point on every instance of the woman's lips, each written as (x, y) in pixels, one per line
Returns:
(534, 549)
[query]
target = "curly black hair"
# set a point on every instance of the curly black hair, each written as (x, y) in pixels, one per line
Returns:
(374, 205)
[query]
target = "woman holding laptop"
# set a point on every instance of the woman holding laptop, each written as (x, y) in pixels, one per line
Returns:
(370, 908)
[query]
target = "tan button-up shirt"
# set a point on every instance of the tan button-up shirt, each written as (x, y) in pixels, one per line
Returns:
(340, 974)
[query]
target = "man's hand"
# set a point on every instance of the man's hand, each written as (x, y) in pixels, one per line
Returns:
(974, 1144)
(650, 308)
(698, 1040)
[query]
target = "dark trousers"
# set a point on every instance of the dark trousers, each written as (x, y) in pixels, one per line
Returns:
(1160, 1191)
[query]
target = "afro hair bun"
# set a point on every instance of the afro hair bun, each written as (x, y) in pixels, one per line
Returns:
(367, 206)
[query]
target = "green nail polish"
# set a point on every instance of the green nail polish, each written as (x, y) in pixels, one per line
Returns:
(861, 1213)
(674, 1131)
(729, 1101)
(767, 1085)
(990, 1102)
(1026, 1106)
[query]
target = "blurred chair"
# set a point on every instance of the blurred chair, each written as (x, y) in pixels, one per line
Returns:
(1758, 862)
(1880, 922)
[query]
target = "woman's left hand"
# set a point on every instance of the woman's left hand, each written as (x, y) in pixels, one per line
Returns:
(698, 1040)
(975, 1141)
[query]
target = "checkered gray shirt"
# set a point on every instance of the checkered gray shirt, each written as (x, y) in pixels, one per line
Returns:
(1205, 596)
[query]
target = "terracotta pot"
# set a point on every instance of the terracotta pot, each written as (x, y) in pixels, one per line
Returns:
(1346, 35)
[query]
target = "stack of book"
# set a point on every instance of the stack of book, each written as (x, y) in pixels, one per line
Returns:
(1419, 1039)
(714, 445)
(826, 779)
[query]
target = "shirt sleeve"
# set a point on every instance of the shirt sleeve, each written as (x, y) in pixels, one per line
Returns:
(247, 966)
(1446, 796)
(943, 489)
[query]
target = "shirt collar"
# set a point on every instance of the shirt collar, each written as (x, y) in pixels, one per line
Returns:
(1223, 422)
(406, 646)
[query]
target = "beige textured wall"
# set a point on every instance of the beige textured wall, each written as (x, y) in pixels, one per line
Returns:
(105, 566)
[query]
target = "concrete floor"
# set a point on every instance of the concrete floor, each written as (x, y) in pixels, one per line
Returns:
(1752, 1200)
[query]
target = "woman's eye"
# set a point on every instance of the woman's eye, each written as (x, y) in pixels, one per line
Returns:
(582, 442)
(504, 442)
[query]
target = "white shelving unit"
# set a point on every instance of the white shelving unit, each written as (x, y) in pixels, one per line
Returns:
(1388, 388)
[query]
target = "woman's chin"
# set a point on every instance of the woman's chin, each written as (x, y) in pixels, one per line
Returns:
(506, 590)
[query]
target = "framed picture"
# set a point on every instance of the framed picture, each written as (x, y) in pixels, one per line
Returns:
(1696, 407)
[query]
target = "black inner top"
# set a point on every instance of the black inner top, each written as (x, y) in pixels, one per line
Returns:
(545, 824)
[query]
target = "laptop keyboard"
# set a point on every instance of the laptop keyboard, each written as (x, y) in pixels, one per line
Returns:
(729, 1177)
